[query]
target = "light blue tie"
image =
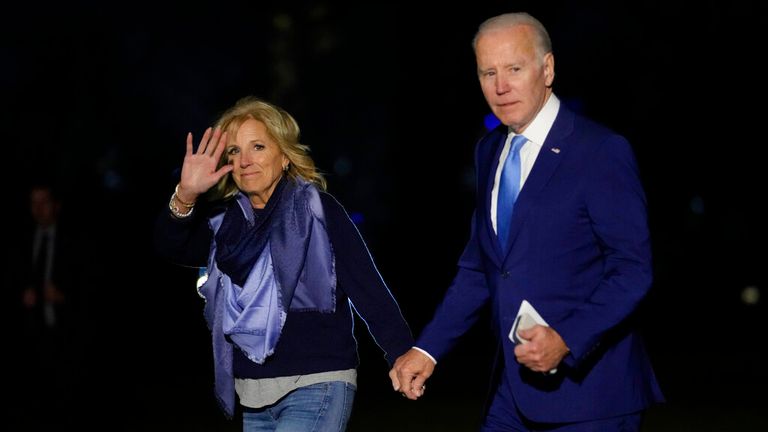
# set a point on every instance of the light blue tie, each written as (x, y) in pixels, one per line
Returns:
(509, 188)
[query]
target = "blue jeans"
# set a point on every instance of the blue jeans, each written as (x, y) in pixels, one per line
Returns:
(319, 407)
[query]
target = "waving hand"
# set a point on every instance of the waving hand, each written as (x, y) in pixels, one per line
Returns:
(198, 172)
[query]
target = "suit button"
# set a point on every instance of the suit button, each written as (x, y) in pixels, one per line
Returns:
(505, 275)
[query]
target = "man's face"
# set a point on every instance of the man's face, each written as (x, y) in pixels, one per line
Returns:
(514, 77)
(42, 206)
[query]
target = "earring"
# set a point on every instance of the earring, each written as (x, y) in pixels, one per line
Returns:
(285, 168)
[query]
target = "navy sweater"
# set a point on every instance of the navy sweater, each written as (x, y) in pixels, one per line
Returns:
(310, 342)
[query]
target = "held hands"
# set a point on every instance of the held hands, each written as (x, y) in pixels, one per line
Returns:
(410, 372)
(544, 351)
(198, 172)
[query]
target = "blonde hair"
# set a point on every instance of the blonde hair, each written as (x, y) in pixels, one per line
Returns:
(282, 128)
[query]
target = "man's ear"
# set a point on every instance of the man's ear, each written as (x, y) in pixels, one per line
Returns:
(549, 69)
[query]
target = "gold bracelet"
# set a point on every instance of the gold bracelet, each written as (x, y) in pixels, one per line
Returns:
(176, 195)
(175, 211)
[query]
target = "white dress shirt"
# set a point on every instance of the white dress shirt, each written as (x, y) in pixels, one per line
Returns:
(50, 231)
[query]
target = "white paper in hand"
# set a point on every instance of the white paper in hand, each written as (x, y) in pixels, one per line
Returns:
(526, 318)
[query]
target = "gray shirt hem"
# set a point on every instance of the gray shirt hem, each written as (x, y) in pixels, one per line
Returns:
(257, 393)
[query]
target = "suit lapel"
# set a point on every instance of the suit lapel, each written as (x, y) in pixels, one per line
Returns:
(495, 144)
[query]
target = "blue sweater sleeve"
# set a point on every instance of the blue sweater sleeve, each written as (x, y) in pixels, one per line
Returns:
(359, 278)
(185, 241)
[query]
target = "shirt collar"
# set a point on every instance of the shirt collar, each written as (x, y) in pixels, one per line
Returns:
(539, 128)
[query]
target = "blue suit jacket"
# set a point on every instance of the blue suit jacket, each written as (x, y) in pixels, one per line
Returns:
(579, 252)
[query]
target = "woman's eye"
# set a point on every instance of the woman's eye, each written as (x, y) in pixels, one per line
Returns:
(232, 150)
(258, 146)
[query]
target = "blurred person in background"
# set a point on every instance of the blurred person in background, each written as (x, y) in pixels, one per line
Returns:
(45, 276)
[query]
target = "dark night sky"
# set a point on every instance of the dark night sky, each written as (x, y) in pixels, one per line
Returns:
(100, 96)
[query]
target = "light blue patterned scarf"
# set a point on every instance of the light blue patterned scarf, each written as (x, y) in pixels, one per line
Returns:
(258, 269)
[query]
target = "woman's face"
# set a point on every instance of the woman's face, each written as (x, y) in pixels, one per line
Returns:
(257, 162)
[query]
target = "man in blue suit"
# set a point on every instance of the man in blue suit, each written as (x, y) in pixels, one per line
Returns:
(560, 222)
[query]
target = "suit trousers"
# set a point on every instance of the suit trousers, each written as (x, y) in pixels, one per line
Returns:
(503, 416)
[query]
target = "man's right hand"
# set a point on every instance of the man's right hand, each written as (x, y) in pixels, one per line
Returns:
(410, 372)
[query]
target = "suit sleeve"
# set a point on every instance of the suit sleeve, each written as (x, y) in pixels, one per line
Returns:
(617, 211)
(462, 303)
(358, 277)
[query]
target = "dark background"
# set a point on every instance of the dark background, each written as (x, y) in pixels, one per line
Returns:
(99, 97)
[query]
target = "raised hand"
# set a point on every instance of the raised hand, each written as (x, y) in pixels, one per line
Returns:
(198, 172)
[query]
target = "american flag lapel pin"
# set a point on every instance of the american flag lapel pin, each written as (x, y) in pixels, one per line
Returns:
(555, 150)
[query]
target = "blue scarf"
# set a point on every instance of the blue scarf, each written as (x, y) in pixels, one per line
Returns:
(258, 269)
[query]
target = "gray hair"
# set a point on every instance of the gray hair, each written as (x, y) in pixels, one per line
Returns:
(508, 20)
